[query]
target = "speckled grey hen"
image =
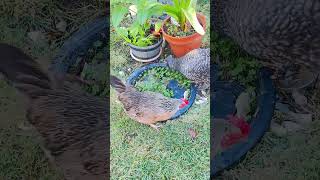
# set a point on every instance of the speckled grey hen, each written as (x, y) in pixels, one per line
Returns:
(146, 107)
(278, 32)
(73, 124)
(195, 65)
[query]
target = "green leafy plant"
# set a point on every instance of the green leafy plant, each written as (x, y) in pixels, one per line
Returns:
(141, 32)
(235, 64)
(184, 11)
(157, 78)
(95, 70)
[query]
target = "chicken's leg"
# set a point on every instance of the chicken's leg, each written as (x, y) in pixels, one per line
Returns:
(157, 128)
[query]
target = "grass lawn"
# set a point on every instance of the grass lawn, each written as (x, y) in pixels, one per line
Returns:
(138, 151)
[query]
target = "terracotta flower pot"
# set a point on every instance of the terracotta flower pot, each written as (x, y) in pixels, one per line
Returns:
(182, 45)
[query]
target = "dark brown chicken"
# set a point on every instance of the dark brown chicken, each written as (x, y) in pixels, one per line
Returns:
(195, 65)
(146, 107)
(279, 33)
(73, 124)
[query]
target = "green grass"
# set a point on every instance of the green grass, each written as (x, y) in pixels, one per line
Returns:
(20, 153)
(138, 151)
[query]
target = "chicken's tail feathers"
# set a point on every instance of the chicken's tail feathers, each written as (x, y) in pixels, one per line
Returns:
(20, 70)
(117, 84)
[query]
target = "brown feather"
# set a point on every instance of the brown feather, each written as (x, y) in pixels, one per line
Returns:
(73, 124)
(147, 107)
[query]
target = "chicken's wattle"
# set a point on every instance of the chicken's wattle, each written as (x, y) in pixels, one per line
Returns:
(185, 102)
(233, 138)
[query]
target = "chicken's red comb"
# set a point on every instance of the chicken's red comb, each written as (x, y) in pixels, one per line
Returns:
(185, 103)
(230, 139)
(240, 123)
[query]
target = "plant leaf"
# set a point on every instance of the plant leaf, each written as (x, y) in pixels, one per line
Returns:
(172, 11)
(117, 15)
(157, 26)
(191, 15)
(123, 32)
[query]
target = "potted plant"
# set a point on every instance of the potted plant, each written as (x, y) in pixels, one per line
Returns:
(142, 34)
(184, 28)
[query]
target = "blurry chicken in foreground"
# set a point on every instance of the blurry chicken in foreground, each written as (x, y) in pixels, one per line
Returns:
(146, 107)
(227, 132)
(283, 35)
(73, 124)
(195, 65)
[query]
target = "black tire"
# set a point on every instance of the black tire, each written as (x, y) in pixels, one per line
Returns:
(79, 43)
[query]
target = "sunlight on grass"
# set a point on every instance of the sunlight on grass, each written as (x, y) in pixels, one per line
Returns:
(138, 151)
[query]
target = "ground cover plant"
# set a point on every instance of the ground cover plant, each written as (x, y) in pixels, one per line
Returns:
(157, 78)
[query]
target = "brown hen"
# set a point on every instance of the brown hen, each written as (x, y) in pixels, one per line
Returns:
(146, 107)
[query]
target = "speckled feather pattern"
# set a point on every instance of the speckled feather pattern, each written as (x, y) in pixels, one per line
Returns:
(195, 65)
(74, 127)
(275, 31)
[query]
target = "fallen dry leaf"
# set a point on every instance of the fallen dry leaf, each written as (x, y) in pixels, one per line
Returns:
(193, 134)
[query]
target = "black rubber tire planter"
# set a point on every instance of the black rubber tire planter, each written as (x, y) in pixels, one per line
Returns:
(193, 92)
(83, 39)
(223, 104)
(79, 43)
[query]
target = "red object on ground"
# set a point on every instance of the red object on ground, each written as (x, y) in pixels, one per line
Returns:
(233, 138)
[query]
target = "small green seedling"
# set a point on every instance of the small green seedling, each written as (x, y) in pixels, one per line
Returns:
(157, 78)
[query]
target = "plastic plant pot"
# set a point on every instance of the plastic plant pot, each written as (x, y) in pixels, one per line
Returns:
(146, 54)
(182, 45)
